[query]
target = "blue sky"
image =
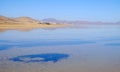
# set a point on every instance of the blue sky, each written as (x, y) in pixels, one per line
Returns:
(92, 10)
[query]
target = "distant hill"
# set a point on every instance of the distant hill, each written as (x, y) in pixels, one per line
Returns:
(52, 20)
(26, 20)
(18, 20)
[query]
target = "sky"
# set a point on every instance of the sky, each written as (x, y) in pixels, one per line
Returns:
(91, 10)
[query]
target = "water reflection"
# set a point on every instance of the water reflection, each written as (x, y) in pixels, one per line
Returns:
(54, 57)
(8, 45)
(86, 50)
(4, 47)
(113, 44)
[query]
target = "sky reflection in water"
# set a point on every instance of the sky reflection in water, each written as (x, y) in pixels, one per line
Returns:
(20, 44)
(67, 36)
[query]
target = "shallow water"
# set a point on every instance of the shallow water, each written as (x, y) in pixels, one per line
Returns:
(87, 49)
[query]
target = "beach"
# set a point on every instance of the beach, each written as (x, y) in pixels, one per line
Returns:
(29, 26)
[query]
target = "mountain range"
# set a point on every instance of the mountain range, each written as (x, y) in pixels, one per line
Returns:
(28, 20)
(52, 20)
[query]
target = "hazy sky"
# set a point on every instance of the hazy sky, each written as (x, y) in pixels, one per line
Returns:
(93, 10)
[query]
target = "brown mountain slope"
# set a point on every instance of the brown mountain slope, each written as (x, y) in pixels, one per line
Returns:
(26, 20)
(4, 19)
(19, 20)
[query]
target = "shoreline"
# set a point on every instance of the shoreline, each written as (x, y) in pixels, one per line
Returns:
(27, 27)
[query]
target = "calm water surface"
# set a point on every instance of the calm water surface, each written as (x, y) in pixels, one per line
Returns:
(87, 49)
